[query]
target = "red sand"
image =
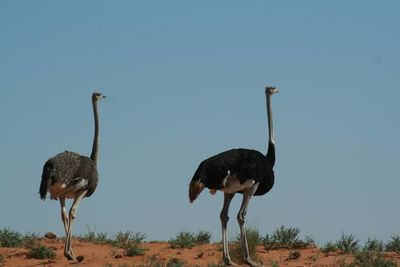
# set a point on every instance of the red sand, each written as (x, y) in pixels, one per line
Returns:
(203, 255)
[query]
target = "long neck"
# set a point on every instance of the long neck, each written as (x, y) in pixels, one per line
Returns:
(95, 149)
(271, 142)
(270, 120)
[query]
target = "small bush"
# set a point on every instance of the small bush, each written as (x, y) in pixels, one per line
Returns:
(347, 244)
(394, 244)
(128, 239)
(370, 259)
(30, 241)
(183, 240)
(41, 252)
(203, 237)
(1, 260)
(134, 250)
(91, 236)
(373, 245)
(131, 242)
(329, 247)
(253, 239)
(286, 238)
(10, 238)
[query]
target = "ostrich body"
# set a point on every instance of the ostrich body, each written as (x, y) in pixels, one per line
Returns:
(243, 171)
(69, 175)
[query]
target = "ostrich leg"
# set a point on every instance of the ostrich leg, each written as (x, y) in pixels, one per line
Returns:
(241, 217)
(72, 215)
(224, 222)
(64, 215)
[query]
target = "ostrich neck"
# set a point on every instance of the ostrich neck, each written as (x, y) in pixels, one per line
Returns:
(270, 120)
(95, 149)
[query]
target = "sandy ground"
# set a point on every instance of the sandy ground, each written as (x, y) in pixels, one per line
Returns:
(202, 255)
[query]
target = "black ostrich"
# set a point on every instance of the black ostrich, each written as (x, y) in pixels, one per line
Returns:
(243, 171)
(70, 175)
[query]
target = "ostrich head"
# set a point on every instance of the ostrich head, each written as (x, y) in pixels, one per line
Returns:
(195, 188)
(270, 90)
(96, 96)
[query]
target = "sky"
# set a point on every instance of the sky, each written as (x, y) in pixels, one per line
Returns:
(185, 80)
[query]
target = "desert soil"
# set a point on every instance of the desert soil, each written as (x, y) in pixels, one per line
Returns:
(202, 255)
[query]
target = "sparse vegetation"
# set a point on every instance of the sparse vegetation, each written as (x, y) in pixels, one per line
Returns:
(347, 244)
(157, 261)
(203, 237)
(92, 236)
(131, 242)
(253, 239)
(134, 250)
(373, 245)
(286, 238)
(189, 240)
(10, 238)
(30, 241)
(394, 244)
(329, 247)
(370, 259)
(372, 253)
(41, 252)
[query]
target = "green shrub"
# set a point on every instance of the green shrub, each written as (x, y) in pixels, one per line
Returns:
(394, 244)
(183, 240)
(131, 242)
(203, 237)
(41, 252)
(286, 238)
(347, 244)
(128, 239)
(373, 245)
(1, 260)
(189, 240)
(91, 236)
(329, 247)
(253, 239)
(134, 250)
(10, 238)
(370, 259)
(31, 240)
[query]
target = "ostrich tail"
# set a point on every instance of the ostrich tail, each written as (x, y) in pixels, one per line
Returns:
(46, 180)
(43, 189)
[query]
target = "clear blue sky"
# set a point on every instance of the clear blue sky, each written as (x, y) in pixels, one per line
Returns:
(184, 81)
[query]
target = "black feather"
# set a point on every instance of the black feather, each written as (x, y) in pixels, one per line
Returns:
(244, 163)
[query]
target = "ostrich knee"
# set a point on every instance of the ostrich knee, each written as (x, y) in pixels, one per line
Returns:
(241, 218)
(72, 213)
(224, 218)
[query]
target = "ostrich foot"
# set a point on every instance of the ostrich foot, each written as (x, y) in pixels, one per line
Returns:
(69, 255)
(228, 261)
(251, 263)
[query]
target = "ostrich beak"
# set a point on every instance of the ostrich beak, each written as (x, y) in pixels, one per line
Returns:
(195, 189)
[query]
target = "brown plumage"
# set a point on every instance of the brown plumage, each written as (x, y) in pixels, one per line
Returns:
(69, 175)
